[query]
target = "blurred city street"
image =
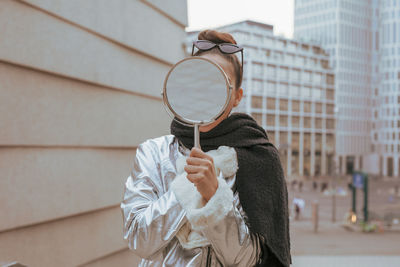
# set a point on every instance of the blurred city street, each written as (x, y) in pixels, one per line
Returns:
(332, 244)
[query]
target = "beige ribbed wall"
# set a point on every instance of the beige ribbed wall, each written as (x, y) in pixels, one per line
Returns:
(80, 85)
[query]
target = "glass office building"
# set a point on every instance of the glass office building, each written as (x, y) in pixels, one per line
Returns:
(386, 124)
(347, 30)
(289, 89)
(363, 40)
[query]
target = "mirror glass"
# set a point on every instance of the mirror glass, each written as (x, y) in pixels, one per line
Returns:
(196, 90)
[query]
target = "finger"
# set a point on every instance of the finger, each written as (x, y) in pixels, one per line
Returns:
(195, 169)
(198, 153)
(196, 161)
(194, 177)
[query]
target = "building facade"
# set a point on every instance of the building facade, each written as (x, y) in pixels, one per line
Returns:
(386, 120)
(289, 89)
(344, 29)
(363, 40)
(80, 84)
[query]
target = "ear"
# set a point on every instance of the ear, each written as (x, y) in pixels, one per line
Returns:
(238, 96)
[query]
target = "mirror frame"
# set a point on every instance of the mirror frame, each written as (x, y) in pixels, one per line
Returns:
(186, 121)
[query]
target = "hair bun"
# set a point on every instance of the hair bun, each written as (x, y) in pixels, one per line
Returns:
(216, 36)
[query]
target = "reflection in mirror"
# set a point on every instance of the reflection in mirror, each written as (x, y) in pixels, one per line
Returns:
(197, 90)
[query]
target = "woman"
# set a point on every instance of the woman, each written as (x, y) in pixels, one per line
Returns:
(222, 205)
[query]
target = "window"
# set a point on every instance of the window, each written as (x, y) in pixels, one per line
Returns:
(318, 78)
(296, 121)
(283, 105)
(271, 88)
(294, 90)
(307, 122)
(295, 75)
(270, 120)
(271, 103)
(330, 124)
(307, 76)
(295, 106)
(257, 87)
(283, 120)
(330, 94)
(330, 109)
(283, 89)
(318, 123)
(318, 107)
(330, 79)
(324, 64)
(258, 69)
(307, 107)
(295, 142)
(257, 117)
(306, 91)
(271, 70)
(256, 101)
(330, 143)
(317, 93)
(283, 73)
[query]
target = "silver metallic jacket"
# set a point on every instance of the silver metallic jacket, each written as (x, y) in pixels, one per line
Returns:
(154, 213)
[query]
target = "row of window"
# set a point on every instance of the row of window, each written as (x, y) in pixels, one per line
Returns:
(260, 87)
(353, 77)
(352, 144)
(390, 87)
(272, 104)
(286, 58)
(286, 73)
(302, 7)
(295, 140)
(390, 33)
(356, 53)
(388, 136)
(356, 36)
(274, 42)
(351, 63)
(361, 7)
(357, 99)
(390, 63)
(354, 126)
(314, 19)
(283, 121)
(385, 148)
(379, 124)
(356, 19)
(319, 34)
(388, 99)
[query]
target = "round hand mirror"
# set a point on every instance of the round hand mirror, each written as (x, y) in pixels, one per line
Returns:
(196, 92)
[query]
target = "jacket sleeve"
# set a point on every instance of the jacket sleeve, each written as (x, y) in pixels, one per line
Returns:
(151, 219)
(222, 221)
(230, 237)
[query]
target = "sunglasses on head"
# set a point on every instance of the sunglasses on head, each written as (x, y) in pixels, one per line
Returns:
(226, 48)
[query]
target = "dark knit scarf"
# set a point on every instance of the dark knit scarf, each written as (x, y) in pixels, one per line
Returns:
(260, 180)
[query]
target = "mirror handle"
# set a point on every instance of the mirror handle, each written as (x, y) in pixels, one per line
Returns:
(196, 136)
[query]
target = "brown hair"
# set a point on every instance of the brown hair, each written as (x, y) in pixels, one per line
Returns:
(222, 37)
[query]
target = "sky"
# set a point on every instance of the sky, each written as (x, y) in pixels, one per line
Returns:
(204, 14)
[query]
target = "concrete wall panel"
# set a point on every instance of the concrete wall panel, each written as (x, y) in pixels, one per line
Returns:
(115, 20)
(68, 242)
(40, 109)
(121, 258)
(174, 8)
(40, 184)
(53, 45)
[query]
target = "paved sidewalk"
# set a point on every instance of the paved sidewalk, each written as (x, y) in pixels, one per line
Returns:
(346, 261)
